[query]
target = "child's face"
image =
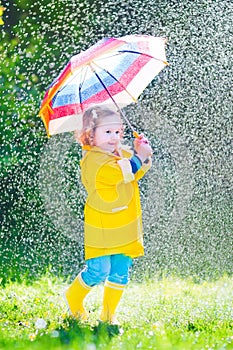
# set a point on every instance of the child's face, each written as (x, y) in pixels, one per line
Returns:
(108, 133)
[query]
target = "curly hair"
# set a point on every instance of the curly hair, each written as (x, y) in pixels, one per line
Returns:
(91, 119)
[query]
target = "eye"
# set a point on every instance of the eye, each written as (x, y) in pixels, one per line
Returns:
(108, 131)
(117, 132)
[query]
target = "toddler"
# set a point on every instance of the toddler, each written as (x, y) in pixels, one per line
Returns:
(113, 233)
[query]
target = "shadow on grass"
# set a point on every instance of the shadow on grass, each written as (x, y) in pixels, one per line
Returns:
(74, 332)
(100, 332)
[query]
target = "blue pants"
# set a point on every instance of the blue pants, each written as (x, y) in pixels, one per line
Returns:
(114, 268)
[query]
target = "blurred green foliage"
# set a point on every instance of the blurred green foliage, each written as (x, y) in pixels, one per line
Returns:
(23, 50)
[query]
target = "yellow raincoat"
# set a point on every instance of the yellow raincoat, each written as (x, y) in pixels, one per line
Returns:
(113, 217)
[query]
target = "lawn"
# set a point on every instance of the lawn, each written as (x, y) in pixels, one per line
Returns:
(168, 313)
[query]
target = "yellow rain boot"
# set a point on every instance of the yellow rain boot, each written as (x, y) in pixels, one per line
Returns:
(74, 296)
(112, 296)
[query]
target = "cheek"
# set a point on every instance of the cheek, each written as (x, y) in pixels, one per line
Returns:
(99, 138)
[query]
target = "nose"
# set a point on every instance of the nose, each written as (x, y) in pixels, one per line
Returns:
(115, 136)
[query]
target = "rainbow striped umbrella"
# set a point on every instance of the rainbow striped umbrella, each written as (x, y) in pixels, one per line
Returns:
(114, 71)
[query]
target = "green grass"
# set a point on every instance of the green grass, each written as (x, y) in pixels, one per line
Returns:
(168, 313)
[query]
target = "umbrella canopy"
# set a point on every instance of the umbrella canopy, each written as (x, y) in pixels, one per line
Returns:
(114, 71)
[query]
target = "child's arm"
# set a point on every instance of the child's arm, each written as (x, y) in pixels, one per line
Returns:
(125, 170)
(143, 170)
(143, 152)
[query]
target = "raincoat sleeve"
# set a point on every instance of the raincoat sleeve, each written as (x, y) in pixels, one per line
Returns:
(115, 172)
(122, 171)
(113, 185)
(102, 170)
(143, 170)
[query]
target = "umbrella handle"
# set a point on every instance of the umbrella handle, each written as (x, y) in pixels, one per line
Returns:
(136, 134)
(140, 136)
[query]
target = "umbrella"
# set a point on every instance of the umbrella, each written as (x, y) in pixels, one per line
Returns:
(114, 71)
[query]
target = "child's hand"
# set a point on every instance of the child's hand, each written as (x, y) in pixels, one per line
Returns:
(140, 139)
(142, 147)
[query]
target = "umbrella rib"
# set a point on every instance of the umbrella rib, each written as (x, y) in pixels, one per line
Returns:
(112, 76)
(102, 83)
(80, 88)
(142, 53)
(110, 55)
(105, 87)
(74, 76)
